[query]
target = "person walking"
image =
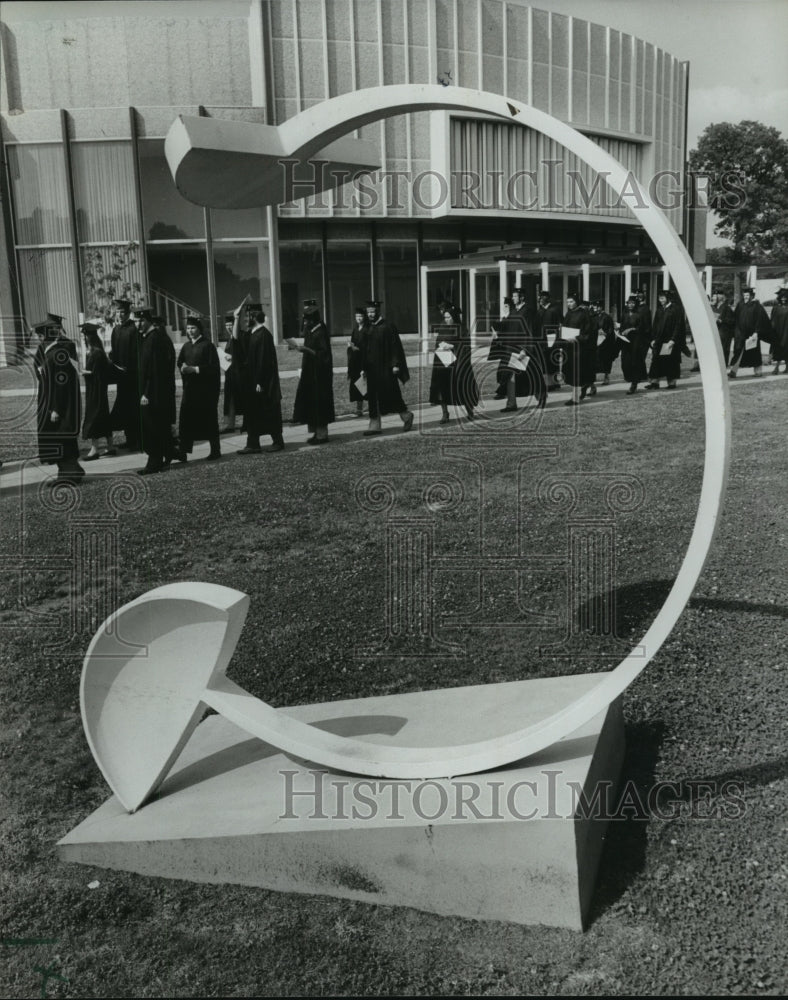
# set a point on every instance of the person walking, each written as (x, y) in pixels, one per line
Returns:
(633, 335)
(779, 321)
(198, 363)
(125, 356)
(59, 401)
(581, 350)
(314, 400)
(667, 340)
(355, 354)
(157, 392)
(264, 401)
(386, 370)
(97, 373)
(453, 381)
(751, 326)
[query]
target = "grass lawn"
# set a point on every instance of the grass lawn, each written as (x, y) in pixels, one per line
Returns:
(686, 904)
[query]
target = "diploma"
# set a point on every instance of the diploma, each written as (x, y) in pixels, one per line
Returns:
(665, 349)
(751, 342)
(517, 364)
(445, 357)
(225, 360)
(361, 385)
(570, 332)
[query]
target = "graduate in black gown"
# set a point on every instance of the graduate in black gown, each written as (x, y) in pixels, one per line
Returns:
(779, 321)
(125, 357)
(667, 341)
(157, 392)
(751, 326)
(98, 375)
(549, 323)
(455, 383)
(264, 401)
(580, 369)
(608, 345)
(385, 367)
(634, 336)
(314, 400)
(355, 354)
(726, 323)
(198, 362)
(236, 378)
(59, 403)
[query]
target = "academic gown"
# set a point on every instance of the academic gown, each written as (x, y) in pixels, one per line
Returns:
(264, 413)
(125, 346)
(383, 351)
(454, 383)
(725, 326)
(355, 357)
(58, 390)
(549, 320)
(97, 422)
(750, 318)
(779, 321)
(580, 366)
(608, 350)
(236, 381)
(314, 399)
(515, 333)
(635, 327)
(157, 384)
(668, 325)
(198, 417)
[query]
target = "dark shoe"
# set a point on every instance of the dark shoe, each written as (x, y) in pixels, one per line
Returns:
(499, 395)
(652, 385)
(444, 419)
(369, 434)
(732, 374)
(214, 456)
(695, 368)
(674, 386)
(272, 448)
(592, 389)
(470, 415)
(408, 422)
(149, 470)
(316, 440)
(110, 452)
(571, 402)
(509, 409)
(249, 451)
(632, 390)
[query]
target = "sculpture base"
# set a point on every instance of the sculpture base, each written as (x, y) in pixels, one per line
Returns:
(516, 844)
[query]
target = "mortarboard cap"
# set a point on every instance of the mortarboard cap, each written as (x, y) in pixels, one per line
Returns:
(194, 320)
(254, 307)
(310, 306)
(373, 304)
(42, 328)
(54, 319)
(89, 327)
(122, 304)
(749, 289)
(229, 317)
(142, 312)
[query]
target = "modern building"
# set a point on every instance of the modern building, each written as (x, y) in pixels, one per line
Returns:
(88, 91)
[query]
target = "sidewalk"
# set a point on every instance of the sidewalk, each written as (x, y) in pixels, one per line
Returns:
(349, 429)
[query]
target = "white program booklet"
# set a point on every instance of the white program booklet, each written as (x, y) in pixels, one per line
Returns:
(517, 364)
(665, 349)
(570, 332)
(445, 357)
(361, 385)
(751, 342)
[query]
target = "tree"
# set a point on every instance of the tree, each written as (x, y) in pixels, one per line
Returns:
(109, 278)
(747, 168)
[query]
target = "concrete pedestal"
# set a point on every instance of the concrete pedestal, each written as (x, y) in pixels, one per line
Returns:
(514, 844)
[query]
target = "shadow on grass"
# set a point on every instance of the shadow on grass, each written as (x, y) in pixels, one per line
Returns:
(626, 841)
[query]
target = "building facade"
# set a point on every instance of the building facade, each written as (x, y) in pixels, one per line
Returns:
(90, 89)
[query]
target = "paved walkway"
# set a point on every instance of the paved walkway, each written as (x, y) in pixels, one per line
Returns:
(349, 430)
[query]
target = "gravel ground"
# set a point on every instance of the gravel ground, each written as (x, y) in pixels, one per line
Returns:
(691, 896)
